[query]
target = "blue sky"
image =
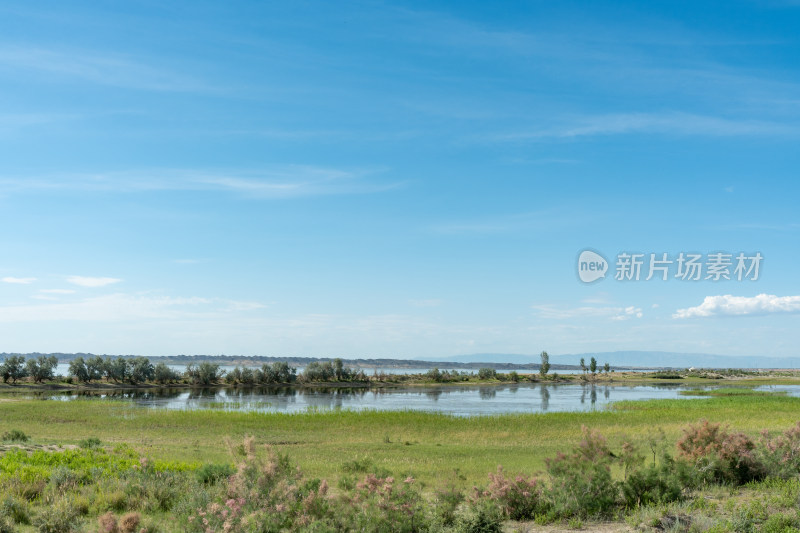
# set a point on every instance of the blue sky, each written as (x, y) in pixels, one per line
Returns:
(394, 179)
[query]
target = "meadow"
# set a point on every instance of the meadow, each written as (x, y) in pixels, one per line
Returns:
(439, 452)
(429, 446)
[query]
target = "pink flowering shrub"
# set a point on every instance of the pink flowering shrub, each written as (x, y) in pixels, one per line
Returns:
(720, 455)
(520, 498)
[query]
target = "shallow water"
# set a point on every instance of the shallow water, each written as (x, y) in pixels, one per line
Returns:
(455, 400)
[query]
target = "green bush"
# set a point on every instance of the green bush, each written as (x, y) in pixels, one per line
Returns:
(60, 517)
(581, 483)
(487, 373)
(209, 474)
(15, 435)
(91, 442)
(662, 483)
(15, 510)
(483, 517)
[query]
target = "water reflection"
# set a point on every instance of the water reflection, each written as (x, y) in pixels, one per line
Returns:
(544, 394)
(461, 400)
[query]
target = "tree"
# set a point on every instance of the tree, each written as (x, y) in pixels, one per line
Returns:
(284, 373)
(607, 368)
(544, 368)
(140, 369)
(583, 365)
(593, 365)
(42, 368)
(487, 373)
(163, 374)
(116, 369)
(77, 368)
(204, 373)
(13, 368)
(94, 368)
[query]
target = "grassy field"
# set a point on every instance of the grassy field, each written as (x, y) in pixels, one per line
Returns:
(433, 448)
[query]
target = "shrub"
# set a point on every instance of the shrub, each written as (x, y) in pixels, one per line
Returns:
(519, 499)
(781, 455)
(15, 435)
(719, 455)
(15, 510)
(581, 483)
(107, 523)
(487, 373)
(445, 505)
(483, 517)
(662, 483)
(209, 474)
(62, 478)
(91, 442)
(60, 517)
(129, 522)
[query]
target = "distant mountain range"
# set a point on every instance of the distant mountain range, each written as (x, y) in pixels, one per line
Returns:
(643, 359)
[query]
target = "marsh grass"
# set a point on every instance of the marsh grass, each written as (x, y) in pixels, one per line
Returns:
(321, 441)
(730, 391)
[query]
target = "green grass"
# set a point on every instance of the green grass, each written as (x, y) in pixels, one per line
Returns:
(435, 448)
(730, 391)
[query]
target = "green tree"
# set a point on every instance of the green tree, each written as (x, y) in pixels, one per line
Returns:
(338, 369)
(593, 365)
(163, 374)
(204, 373)
(487, 373)
(42, 368)
(77, 368)
(607, 368)
(13, 368)
(583, 365)
(94, 368)
(544, 368)
(116, 369)
(140, 370)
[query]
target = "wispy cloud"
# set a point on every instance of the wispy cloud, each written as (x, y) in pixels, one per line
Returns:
(666, 123)
(609, 312)
(123, 307)
(21, 281)
(286, 181)
(57, 291)
(728, 305)
(86, 281)
(103, 69)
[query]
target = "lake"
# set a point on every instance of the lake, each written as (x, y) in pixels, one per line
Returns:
(455, 400)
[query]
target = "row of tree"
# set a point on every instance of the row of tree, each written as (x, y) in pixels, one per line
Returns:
(39, 369)
(135, 370)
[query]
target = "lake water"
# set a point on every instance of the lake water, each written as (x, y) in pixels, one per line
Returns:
(455, 400)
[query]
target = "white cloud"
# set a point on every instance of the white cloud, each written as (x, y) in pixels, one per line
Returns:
(86, 281)
(728, 305)
(611, 313)
(21, 281)
(284, 181)
(57, 291)
(126, 307)
(669, 123)
(105, 69)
